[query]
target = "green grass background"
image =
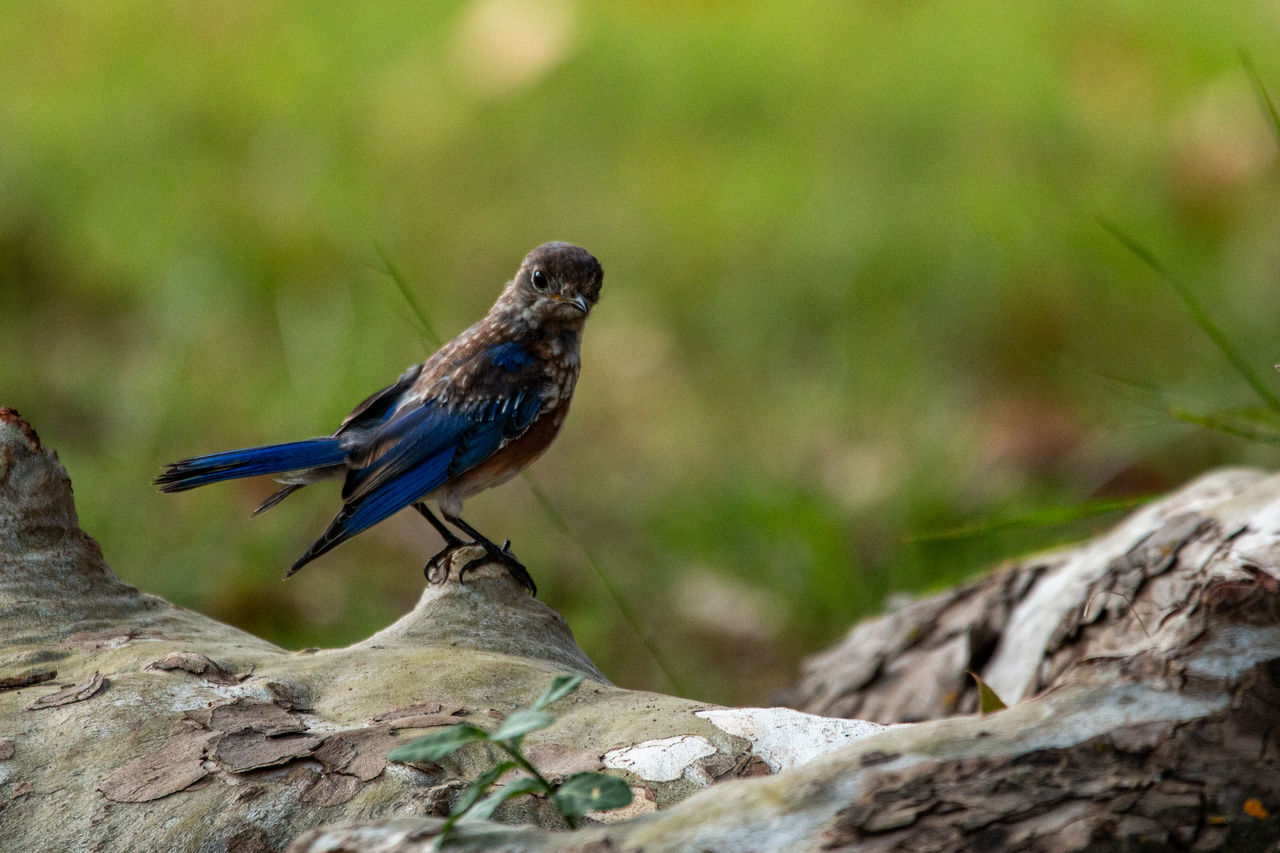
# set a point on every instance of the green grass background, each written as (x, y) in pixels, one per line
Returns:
(855, 288)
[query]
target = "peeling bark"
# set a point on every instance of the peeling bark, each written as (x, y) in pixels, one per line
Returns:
(1023, 625)
(153, 726)
(71, 693)
(1147, 663)
(175, 766)
(198, 665)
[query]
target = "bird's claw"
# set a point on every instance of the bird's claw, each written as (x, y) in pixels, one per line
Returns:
(435, 574)
(437, 568)
(508, 561)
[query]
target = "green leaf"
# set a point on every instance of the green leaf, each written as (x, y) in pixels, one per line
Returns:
(487, 806)
(560, 688)
(591, 792)
(437, 745)
(988, 701)
(478, 788)
(468, 799)
(521, 723)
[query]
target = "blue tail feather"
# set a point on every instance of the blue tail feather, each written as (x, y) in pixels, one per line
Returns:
(383, 501)
(250, 462)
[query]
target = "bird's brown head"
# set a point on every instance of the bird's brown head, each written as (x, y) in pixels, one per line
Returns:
(557, 284)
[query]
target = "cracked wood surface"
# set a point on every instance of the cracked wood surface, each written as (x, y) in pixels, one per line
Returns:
(1147, 662)
(127, 722)
(1023, 625)
(1148, 665)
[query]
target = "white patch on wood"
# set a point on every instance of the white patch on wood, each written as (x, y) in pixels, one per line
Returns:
(663, 760)
(785, 738)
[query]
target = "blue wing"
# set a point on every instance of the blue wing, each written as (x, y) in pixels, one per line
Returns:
(420, 448)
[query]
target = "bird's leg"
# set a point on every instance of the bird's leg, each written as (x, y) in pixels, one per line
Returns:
(451, 542)
(502, 556)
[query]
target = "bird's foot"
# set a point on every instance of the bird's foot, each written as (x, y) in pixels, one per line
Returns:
(437, 568)
(503, 557)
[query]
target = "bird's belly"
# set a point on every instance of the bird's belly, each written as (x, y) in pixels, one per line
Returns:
(512, 458)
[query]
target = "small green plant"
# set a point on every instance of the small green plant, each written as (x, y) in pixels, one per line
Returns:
(574, 797)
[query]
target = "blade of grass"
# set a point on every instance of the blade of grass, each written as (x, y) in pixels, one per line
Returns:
(1252, 424)
(619, 600)
(1215, 421)
(402, 284)
(1198, 314)
(1270, 105)
(1044, 517)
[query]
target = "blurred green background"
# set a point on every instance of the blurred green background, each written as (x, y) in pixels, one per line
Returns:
(855, 289)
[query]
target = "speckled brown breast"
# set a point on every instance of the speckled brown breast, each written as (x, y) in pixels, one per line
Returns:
(514, 456)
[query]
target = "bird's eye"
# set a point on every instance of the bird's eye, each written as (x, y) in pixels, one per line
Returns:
(540, 283)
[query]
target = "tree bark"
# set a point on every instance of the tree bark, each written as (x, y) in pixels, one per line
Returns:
(1147, 662)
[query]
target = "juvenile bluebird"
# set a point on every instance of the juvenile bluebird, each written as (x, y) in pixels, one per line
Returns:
(472, 416)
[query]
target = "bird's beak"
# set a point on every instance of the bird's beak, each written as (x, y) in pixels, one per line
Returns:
(579, 302)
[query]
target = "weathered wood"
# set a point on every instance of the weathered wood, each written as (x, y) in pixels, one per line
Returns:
(1149, 665)
(1023, 625)
(1147, 662)
(163, 729)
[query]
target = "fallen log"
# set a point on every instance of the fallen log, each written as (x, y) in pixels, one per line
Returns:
(1147, 663)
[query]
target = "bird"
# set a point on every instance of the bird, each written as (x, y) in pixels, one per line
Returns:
(472, 416)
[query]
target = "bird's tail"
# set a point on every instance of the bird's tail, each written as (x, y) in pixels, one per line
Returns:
(251, 461)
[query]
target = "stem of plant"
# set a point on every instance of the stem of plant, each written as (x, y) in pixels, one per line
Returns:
(542, 780)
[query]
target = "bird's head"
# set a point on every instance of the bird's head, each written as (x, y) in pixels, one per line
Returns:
(557, 285)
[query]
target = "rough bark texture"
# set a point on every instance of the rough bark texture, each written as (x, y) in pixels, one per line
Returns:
(1148, 662)
(127, 722)
(1024, 625)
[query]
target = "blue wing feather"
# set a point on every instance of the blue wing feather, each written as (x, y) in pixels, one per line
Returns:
(524, 409)
(510, 355)
(423, 448)
(475, 445)
(391, 498)
(420, 434)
